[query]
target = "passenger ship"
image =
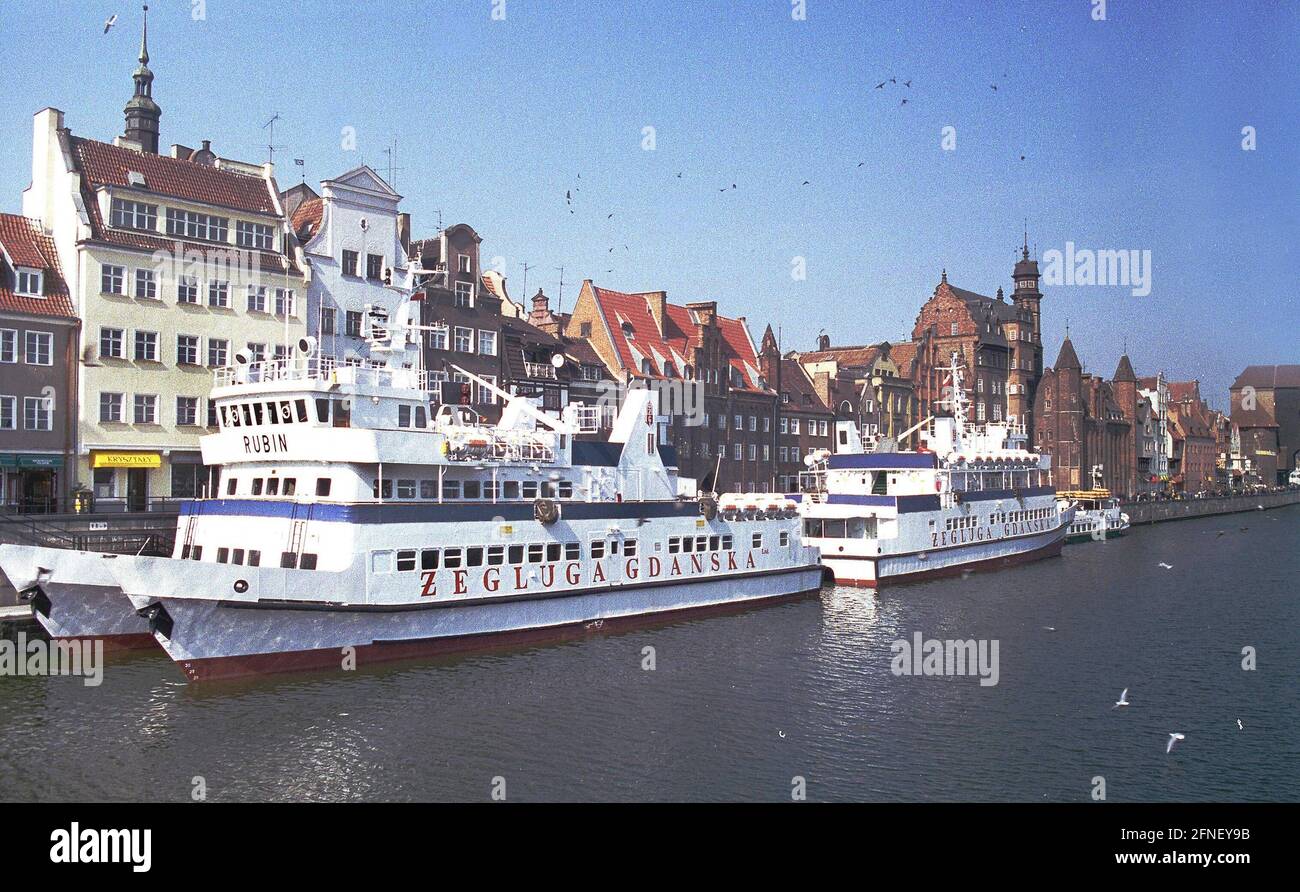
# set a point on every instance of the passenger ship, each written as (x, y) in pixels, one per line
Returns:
(1097, 516)
(969, 498)
(357, 520)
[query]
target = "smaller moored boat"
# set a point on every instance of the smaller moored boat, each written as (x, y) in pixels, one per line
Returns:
(1097, 516)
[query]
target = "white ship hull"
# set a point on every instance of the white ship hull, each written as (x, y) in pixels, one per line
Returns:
(213, 639)
(74, 595)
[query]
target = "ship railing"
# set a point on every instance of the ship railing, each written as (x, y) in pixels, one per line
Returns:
(539, 370)
(316, 368)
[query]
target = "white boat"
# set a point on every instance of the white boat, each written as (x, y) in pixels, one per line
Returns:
(1097, 516)
(970, 498)
(355, 522)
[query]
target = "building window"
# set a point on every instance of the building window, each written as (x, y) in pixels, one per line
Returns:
(110, 407)
(112, 279)
(188, 480)
(256, 352)
(327, 320)
(218, 293)
(187, 411)
(145, 408)
(187, 350)
(464, 339)
(253, 235)
(146, 284)
(794, 426)
(257, 298)
(438, 336)
(112, 343)
(584, 329)
(104, 480)
(740, 422)
(374, 266)
(29, 283)
(38, 414)
(37, 348)
(738, 451)
(212, 414)
(8, 413)
(487, 343)
(464, 294)
(187, 290)
(352, 324)
(217, 350)
(283, 302)
(350, 263)
(753, 424)
(127, 214)
(483, 395)
(146, 346)
(191, 224)
(952, 330)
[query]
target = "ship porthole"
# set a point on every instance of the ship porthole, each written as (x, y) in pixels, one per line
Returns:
(241, 586)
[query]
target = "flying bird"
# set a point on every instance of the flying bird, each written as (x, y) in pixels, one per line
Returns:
(904, 102)
(1174, 736)
(610, 217)
(907, 84)
(112, 20)
(880, 86)
(860, 163)
(804, 183)
(994, 86)
(893, 80)
(1122, 701)
(1165, 566)
(1239, 726)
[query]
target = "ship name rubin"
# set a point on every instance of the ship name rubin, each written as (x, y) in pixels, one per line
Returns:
(260, 444)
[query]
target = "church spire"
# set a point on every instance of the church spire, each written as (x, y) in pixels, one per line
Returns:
(142, 113)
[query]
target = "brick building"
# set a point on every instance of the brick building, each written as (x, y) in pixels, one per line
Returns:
(805, 417)
(1194, 457)
(1266, 410)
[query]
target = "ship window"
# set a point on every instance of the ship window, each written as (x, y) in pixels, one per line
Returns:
(726, 542)
(471, 489)
(237, 557)
(613, 546)
(701, 543)
(597, 549)
(286, 411)
(758, 540)
(185, 552)
(308, 562)
(301, 407)
(271, 414)
(496, 555)
(451, 489)
(289, 560)
(674, 544)
(784, 537)
(511, 489)
(879, 485)
(273, 486)
(536, 551)
(222, 555)
(688, 544)
(474, 556)
(257, 486)
(572, 551)
(230, 486)
(530, 489)
(713, 543)
(516, 554)
(566, 489)
(197, 553)
(429, 559)
(421, 418)
(406, 560)
(451, 558)
(489, 490)
(322, 486)
(831, 529)
(247, 412)
(323, 411)
(553, 552)
(290, 485)
(428, 489)
(629, 548)
(406, 489)
(548, 490)
(403, 416)
(342, 413)
(254, 558)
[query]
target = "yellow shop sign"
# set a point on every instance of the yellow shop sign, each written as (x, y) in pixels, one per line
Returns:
(125, 460)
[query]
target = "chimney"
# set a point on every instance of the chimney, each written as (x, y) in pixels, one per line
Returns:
(204, 155)
(657, 301)
(404, 231)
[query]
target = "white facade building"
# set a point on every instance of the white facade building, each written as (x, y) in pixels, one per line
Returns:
(352, 240)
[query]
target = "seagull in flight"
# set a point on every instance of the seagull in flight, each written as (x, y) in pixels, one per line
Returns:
(1165, 566)
(1122, 701)
(1239, 725)
(112, 20)
(1174, 737)
(880, 86)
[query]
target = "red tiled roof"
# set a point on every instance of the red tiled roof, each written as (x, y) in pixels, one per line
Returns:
(1184, 390)
(24, 242)
(679, 338)
(306, 219)
(803, 394)
(104, 164)
(1269, 376)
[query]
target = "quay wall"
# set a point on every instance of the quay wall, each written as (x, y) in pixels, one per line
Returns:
(1158, 512)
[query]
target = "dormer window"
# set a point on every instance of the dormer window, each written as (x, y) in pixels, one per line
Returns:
(670, 370)
(627, 329)
(135, 178)
(29, 282)
(134, 215)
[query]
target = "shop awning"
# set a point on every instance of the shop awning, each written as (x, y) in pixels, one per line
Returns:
(30, 460)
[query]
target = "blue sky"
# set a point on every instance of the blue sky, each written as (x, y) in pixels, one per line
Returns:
(1130, 130)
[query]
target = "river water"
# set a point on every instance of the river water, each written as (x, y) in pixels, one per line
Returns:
(741, 707)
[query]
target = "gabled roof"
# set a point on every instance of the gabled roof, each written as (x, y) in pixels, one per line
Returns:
(853, 357)
(24, 243)
(306, 219)
(1182, 391)
(104, 164)
(638, 342)
(1268, 377)
(796, 382)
